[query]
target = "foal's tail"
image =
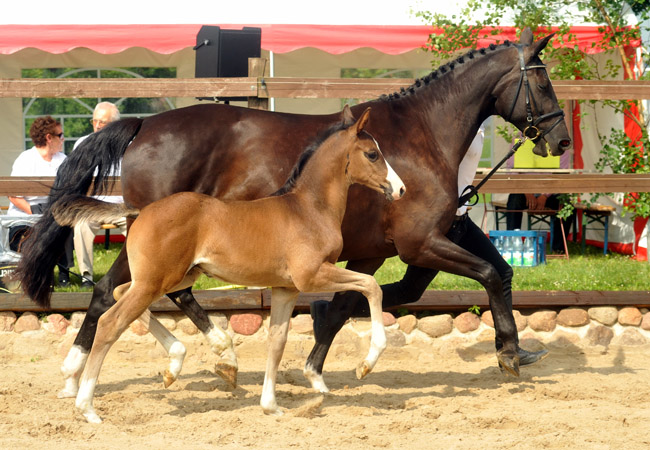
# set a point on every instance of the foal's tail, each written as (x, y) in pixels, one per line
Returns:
(75, 208)
(96, 156)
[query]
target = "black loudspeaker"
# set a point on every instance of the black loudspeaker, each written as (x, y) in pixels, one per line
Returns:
(225, 53)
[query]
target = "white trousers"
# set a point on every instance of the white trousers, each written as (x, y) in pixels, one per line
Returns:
(84, 236)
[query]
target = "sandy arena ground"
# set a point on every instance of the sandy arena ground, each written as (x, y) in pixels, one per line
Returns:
(446, 395)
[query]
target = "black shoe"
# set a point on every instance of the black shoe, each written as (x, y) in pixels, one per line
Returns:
(318, 312)
(64, 281)
(526, 358)
(87, 284)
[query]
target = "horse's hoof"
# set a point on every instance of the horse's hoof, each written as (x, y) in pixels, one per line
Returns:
(228, 372)
(91, 416)
(168, 379)
(508, 361)
(363, 369)
(66, 393)
(273, 411)
(316, 381)
(526, 358)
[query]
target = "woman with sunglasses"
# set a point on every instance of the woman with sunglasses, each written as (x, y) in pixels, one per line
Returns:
(42, 160)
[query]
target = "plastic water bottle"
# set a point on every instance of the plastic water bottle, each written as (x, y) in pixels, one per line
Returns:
(507, 249)
(529, 252)
(498, 244)
(517, 251)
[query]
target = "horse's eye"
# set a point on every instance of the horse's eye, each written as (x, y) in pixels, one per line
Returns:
(372, 156)
(542, 87)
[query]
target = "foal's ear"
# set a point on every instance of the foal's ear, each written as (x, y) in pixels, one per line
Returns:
(363, 120)
(348, 118)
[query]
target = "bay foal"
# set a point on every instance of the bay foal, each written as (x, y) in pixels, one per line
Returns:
(289, 242)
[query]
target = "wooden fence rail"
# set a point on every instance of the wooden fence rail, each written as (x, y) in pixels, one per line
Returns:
(278, 87)
(501, 182)
(260, 299)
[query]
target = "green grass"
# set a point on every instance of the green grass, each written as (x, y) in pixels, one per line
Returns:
(593, 271)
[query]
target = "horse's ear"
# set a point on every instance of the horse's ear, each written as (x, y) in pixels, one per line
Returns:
(348, 118)
(363, 120)
(526, 37)
(538, 46)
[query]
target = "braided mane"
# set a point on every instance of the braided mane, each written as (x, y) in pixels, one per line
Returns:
(442, 70)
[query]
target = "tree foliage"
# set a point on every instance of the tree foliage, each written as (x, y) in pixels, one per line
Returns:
(481, 19)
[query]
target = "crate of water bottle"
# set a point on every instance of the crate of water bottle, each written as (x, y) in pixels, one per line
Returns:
(520, 248)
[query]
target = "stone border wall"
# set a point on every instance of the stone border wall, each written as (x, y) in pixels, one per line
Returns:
(583, 327)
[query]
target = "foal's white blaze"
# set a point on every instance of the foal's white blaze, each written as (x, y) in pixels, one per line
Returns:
(396, 182)
(73, 365)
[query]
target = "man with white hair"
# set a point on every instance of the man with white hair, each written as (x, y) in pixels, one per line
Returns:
(84, 233)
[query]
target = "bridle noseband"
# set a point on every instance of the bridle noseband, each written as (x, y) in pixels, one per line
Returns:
(531, 132)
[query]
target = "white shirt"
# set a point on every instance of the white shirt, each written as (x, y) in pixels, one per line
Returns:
(114, 173)
(469, 164)
(30, 164)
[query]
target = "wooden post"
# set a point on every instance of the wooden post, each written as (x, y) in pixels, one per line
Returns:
(256, 68)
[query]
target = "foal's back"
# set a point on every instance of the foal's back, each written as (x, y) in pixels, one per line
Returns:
(242, 242)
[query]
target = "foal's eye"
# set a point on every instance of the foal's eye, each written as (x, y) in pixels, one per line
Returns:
(372, 155)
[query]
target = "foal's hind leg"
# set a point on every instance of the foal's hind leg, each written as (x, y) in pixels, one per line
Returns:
(220, 342)
(109, 328)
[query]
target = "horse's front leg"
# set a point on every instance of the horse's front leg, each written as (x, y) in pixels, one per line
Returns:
(441, 253)
(102, 300)
(219, 341)
(329, 318)
(282, 304)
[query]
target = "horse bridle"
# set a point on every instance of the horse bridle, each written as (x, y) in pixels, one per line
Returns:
(471, 191)
(532, 125)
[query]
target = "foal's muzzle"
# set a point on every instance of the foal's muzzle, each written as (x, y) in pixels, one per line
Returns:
(395, 188)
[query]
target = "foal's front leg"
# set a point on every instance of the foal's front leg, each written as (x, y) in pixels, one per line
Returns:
(331, 278)
(282, 304)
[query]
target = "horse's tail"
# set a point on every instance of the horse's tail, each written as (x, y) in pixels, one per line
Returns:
(75, 208)
(96, 156)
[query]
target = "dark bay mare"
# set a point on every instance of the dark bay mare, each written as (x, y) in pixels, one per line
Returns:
(237, 153)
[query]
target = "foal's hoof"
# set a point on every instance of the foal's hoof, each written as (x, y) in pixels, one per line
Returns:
(363, 369)
(228, 372)
(168, 379)
(508, 361)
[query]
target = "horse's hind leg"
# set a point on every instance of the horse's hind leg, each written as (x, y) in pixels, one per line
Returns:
(220, 342)
(102, 300)
(282, 303)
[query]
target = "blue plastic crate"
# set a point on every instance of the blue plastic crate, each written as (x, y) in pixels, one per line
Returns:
(539, 256)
